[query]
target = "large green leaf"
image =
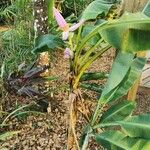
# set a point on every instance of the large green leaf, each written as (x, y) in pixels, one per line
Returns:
(118, 112)
(96, 8)
(130, 78)
(135, 67)
(137, 126)
(124, 73)
(47, 42)
(119, 70)
(129, 33)
(115, 140)
(137, 143)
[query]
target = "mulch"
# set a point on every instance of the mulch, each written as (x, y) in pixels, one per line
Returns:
(48, 131)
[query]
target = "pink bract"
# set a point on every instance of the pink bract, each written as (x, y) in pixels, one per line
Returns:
(60, 20)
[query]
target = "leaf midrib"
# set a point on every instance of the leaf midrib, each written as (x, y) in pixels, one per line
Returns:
(116, 112)
(134, 124)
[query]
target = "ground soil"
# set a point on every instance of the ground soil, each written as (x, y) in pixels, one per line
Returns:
(48, 131)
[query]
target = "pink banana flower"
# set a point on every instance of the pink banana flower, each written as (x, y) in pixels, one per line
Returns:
(68, 53)
(63, 25)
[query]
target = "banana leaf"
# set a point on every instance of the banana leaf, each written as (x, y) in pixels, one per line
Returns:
(97, 7)
(127, 76)
(130, 33)
(119, 70)
(115, 140)
(118, 112)
(47, 42)
(130, 78)
(137, 126)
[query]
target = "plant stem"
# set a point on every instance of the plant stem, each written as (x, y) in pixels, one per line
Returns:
(104, 99)
(72, 139)
(85, 39)
(87, 54)
(79, 35)
(50, 5)
(99, 28)
(81, 71)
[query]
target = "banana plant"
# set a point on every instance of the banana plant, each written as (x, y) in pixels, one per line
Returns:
(129, 34)
(125, 35)
(116, 127)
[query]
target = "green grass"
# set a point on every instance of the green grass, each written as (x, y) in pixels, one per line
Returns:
(16, 48)
(16, 44)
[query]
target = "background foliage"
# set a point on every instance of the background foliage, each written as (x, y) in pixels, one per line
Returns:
(18, 40)
(74, 6)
